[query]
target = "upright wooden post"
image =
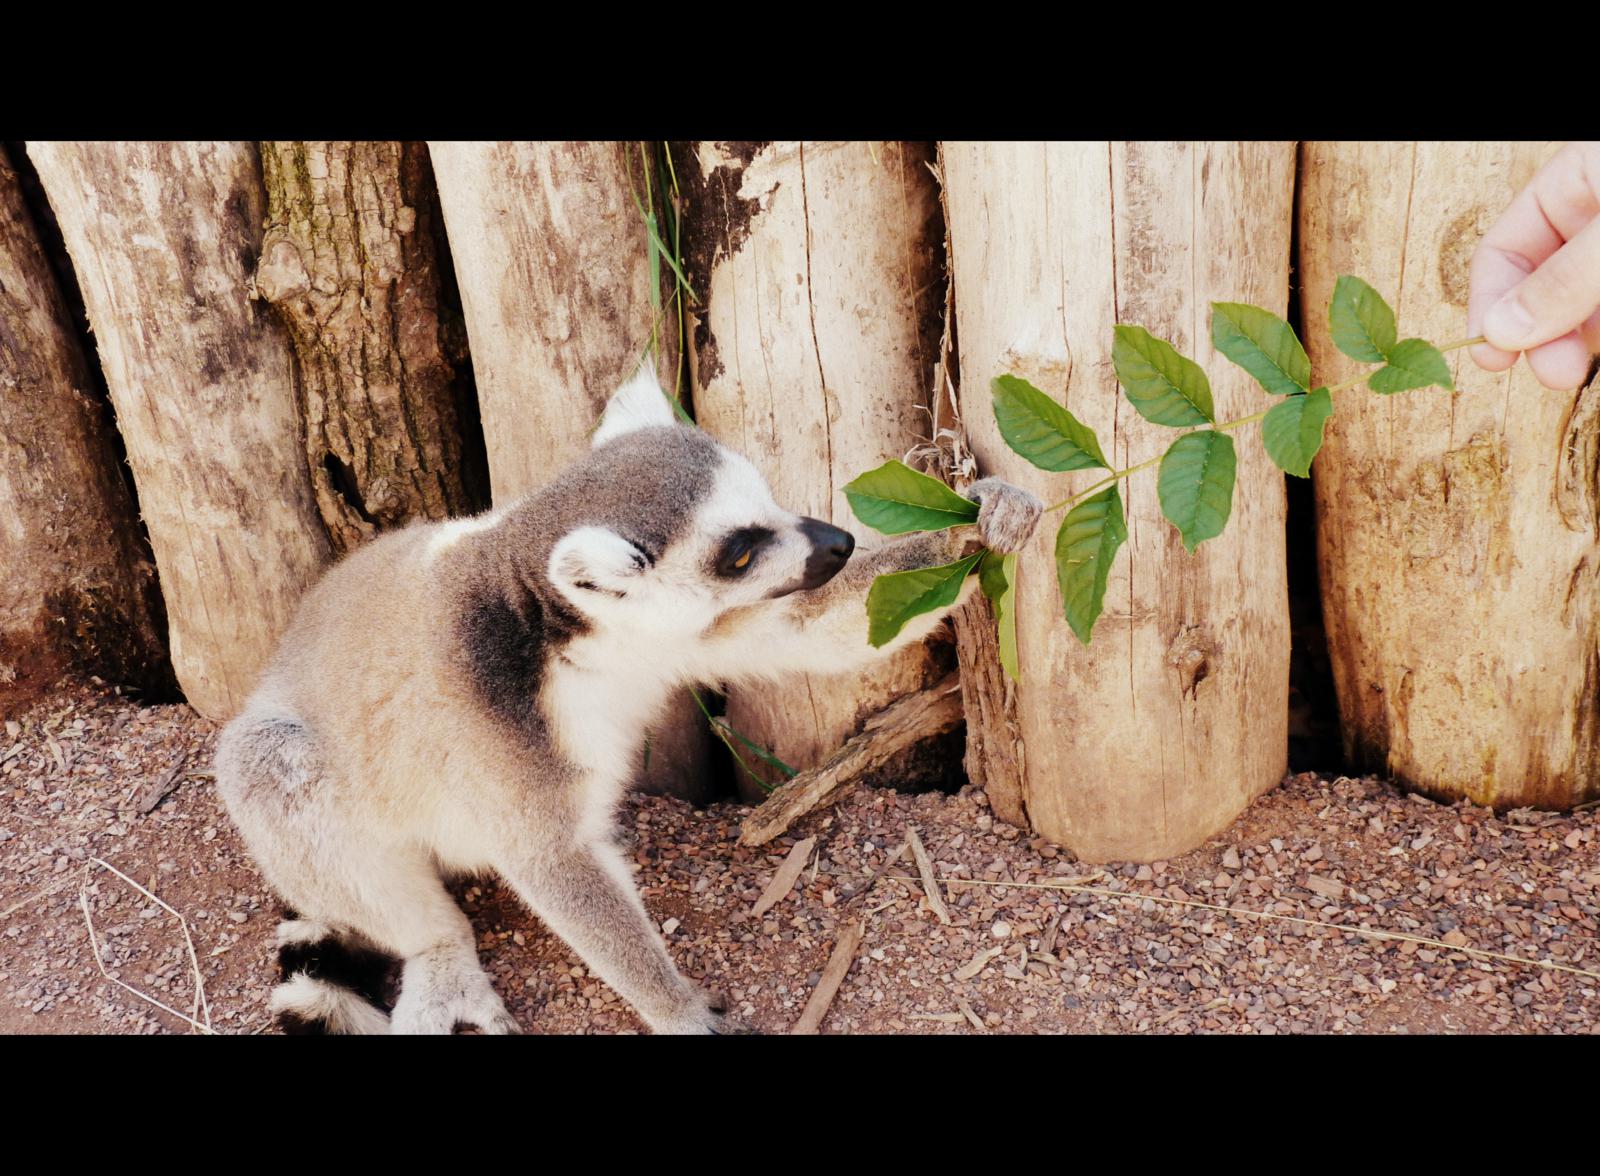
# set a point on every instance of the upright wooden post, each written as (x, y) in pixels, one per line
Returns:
(77, 588)
(1456, 533)
(1158, 734)
(813, 346)
(164, 238)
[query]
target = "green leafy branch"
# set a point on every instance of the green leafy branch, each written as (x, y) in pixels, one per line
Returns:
(1196, 477)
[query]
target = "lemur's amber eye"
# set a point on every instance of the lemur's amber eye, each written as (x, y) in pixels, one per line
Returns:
(739, 551)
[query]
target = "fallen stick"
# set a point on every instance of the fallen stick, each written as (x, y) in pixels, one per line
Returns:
(904, 722)
(844, 954)
(930, 883)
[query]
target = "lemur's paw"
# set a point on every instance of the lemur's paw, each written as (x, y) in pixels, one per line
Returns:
(725, 1025)
(1007, 514)
(702, 1013)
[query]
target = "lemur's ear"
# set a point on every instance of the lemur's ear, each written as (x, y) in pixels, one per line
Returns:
(596, 561)
(638, 404)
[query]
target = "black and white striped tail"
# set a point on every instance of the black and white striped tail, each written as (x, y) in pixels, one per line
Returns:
(331, 984)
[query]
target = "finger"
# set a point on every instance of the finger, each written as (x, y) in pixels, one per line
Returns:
(1551, 301)
(1510, 251)
(1554, 207)
(1490, 359)
(1562, 364)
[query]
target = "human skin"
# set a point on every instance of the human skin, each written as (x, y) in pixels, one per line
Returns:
(1536, 274)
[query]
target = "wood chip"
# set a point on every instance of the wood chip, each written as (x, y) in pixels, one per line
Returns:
(930, 883)
(838, 966)
(966, 1011)
(783, 881)
(1048, 945)
(157, 792)
(1326, 887)
(977, 964)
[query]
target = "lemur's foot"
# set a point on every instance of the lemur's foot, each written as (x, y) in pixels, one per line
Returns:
(1007, 514)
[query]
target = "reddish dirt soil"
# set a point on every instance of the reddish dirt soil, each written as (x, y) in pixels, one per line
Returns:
(1021, 954)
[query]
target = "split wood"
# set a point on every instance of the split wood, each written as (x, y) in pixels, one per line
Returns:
(904, 722)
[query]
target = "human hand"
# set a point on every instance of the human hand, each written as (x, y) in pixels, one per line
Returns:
(1536, 274)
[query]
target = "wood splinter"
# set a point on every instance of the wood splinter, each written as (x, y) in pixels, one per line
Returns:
(906, 721)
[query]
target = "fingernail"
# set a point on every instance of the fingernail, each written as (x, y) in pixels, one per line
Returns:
(1508, 325)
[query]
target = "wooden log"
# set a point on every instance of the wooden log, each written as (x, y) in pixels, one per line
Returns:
(164, 238)
(814, 338)
(1456, 533)
(348, 260)
(904, 723)
(1158, 734)
(553, 262)
(79, 587)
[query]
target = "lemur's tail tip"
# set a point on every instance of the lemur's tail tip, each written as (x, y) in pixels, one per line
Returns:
(331, 984)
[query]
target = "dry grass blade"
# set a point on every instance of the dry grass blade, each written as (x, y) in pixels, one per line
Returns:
(45, 891)
(930, 882)
(838, 966)
(94, 947)
(183, 924)
(878, 874)
(783, 881)
(1245, 912)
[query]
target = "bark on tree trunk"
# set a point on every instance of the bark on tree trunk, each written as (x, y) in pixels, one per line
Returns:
(814, 340)
(553, 262)
(348, 260)
(78, 589)
(1456, 533)
(1157, 735)
(164, 238)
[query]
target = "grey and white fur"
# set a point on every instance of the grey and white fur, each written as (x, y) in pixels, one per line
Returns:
(470, 696)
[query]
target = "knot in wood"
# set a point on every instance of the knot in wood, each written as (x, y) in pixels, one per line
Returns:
(1195, 654)
(281, 273)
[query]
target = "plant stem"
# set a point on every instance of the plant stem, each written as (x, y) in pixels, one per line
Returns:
(1225, 426)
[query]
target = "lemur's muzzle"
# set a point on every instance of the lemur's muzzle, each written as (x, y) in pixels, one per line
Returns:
(830, 551)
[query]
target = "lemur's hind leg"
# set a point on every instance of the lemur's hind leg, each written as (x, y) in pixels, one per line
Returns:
(406, 908)
(353, 889)
(585, 894)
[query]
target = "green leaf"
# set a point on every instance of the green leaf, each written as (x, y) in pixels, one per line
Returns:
(1413, 363)
(1292, 431)
(1196, 485)
(1085, 546)
(894, 499)
(896, 598)
(1039, 429)
(1361, 321)
(1262, 344)
(1163, 386)
(997, 576)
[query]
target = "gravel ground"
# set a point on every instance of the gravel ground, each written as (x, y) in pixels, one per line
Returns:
(1020, 954)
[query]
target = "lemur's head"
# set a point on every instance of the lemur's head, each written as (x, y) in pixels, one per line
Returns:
(663, 528)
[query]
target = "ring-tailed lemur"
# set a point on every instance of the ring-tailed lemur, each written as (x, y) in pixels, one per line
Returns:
(469, 696)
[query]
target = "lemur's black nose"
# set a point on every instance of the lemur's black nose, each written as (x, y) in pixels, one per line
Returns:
(830, 551)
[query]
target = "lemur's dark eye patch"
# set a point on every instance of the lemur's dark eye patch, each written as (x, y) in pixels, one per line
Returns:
(739, 551)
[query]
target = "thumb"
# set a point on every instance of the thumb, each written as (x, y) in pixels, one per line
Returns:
(1552, 300)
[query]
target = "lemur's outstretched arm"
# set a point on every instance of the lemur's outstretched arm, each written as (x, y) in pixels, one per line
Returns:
(824, 631)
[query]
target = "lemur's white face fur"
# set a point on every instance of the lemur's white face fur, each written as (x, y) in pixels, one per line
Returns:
(698, 536)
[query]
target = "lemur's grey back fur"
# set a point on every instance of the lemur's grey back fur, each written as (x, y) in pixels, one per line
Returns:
(469, 696)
